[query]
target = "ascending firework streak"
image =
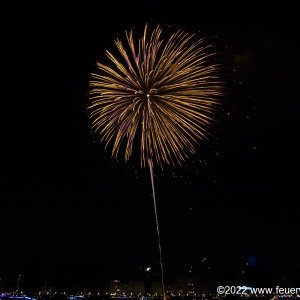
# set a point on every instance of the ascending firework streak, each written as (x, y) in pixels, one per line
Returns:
(159, 95)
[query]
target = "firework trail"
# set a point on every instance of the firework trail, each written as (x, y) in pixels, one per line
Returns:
(157, 227)
(156, 98)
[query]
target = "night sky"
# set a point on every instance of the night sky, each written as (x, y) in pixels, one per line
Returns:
(65, 205)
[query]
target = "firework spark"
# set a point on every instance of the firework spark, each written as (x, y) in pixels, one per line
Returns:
(160, 94)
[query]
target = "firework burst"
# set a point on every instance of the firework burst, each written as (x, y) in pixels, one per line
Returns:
(159, 94)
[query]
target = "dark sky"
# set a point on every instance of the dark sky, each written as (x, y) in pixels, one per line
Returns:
(64, 202)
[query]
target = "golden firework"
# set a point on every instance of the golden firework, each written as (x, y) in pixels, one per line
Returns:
(158, 97)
